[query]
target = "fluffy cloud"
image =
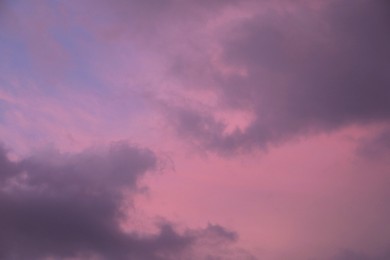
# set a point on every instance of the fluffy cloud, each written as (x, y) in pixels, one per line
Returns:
(299, 71)
(73, 206)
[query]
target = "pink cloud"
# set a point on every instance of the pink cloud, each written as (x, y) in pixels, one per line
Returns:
(269, 118)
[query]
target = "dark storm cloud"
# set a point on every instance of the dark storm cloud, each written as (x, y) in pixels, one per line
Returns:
(60, 206)
(307, 70)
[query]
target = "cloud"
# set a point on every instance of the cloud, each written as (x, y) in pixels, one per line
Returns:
(297, 68)
(64, 206)
(353, 255)
(8, 168)
(298, 71)
(376, 146)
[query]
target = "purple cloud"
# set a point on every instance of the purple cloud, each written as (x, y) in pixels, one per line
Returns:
(376, 146)
(352, 255)
(226, 76)
(73, 205)
(305, 71)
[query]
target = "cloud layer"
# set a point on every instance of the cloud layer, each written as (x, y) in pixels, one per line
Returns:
(217, 76)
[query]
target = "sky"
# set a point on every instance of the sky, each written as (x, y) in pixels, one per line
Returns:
(195, 129)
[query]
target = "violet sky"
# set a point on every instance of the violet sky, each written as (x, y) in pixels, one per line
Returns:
(195, 129)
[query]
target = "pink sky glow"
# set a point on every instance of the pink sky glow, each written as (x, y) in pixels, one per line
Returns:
(195, 129)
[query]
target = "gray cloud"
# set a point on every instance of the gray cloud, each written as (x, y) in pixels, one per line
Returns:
(55, 205)
(307, 71)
